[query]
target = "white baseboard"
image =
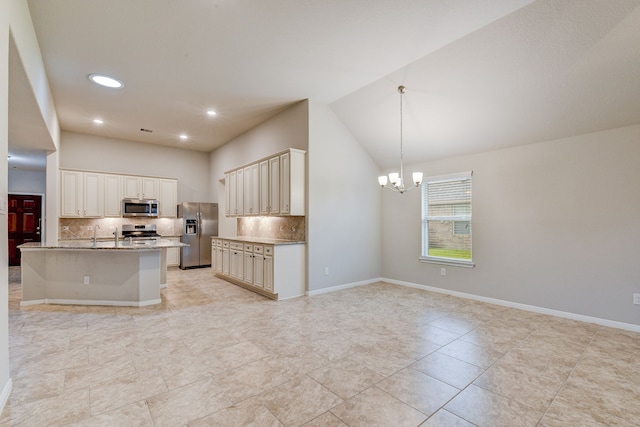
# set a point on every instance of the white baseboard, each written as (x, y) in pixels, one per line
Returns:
(6, 392)
(564, 314)
(92, 302)
(340, 287)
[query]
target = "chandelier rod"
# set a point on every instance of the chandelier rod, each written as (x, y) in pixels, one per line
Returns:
(401, 90)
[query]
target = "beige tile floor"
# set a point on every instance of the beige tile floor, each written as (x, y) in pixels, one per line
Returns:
(213, 354)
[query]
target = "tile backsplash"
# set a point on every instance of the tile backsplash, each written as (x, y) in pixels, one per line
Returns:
(79, 227)
(282, 227)
(273, 227)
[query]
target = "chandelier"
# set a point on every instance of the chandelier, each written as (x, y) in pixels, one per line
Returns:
(395, 181)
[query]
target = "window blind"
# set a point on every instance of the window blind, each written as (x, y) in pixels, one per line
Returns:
(446, 217)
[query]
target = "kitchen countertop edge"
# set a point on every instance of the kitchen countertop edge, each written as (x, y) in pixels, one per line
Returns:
(262, 240)
(101, 244)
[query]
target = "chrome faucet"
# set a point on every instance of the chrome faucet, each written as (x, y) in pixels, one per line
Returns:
(115, 234)
(94, 234)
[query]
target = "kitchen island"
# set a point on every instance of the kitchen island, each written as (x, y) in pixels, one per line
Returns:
(274, 268)
(122, 273)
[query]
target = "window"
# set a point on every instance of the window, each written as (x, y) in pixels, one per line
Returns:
(446, 219)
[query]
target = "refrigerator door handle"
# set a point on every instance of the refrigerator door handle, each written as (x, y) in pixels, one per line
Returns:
(199, 216)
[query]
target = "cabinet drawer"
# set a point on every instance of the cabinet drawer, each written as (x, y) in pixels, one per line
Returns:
(257, 249)
(236, 246)
(248, 247)
(214, 242)
(268, 250)
(218, 242)
(225, 243)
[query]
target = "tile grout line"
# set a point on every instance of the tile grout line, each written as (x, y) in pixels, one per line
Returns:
(567, 378)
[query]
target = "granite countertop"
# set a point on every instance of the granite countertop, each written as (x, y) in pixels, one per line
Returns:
(104, 244)
(263, 240)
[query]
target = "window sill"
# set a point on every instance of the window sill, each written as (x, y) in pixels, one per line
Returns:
(447, 261)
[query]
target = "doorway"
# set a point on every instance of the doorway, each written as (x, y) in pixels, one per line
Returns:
(24, 222)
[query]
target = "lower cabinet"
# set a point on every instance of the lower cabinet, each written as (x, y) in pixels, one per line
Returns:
(173, 254)
(236, 259)
(276, 271)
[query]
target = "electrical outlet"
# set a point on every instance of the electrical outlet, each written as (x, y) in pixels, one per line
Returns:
(326, 271)
(86, 280)
(443, 271)
(65, 228)
(636, 299)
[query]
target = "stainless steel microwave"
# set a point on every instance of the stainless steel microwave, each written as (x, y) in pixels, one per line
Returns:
(139, 208)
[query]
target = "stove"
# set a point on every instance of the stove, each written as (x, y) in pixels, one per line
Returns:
(140, 232)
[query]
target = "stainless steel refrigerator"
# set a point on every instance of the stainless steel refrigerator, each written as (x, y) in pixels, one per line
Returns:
(199, 225)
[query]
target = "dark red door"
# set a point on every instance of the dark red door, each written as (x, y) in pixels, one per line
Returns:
(24, 223)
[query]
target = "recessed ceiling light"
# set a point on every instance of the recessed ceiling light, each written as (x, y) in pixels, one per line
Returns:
(106, 81)
(98, 121)
(211, 113)
(184, 137)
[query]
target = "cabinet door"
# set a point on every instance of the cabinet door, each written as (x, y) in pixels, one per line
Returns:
(258, 271)
(70, 193)
(295, 182)
(173, 254)
(149, 188)
(274, 185)
(112, 195)
(93, 195)
(235, 263)
(231, 202)
(264, 187)
(225, 261)
(251, 189)
(213, 254)
(284, 183)
(248, 268)
(227, 194)
(218, 264)
(240, 192)
(131, 187)
(268, 273)
(168, 197)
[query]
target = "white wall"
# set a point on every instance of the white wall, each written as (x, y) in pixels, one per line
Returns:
(343, 222)
(555, 225)
(16, 20)
(288, 129)
(95, 153)
(5, 379)
(29, 182)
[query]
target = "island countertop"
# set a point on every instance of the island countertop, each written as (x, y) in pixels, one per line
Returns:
(122, 244)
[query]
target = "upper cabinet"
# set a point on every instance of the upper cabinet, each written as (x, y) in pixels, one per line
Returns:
(139, 187)
(168, 197)
(292, 183)
(95, 195)
(251, 190)
(113, 195)
(81, 194)
(71, 202)
(271, 186)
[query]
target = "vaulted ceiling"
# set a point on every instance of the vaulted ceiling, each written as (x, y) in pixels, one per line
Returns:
(479, 75)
